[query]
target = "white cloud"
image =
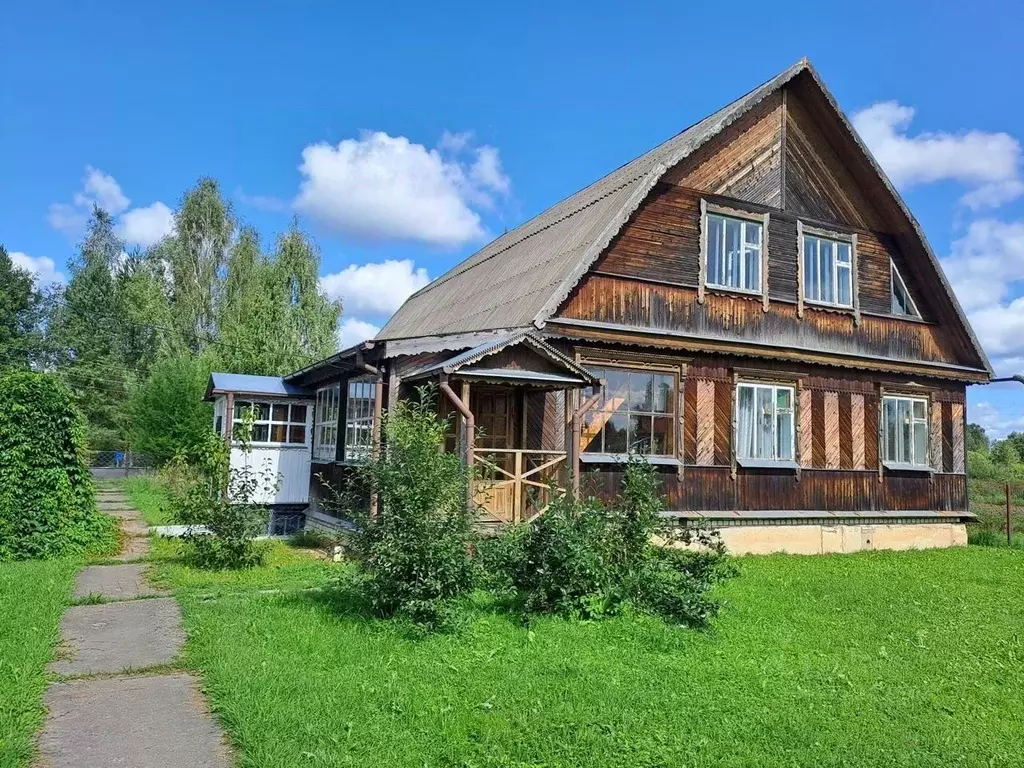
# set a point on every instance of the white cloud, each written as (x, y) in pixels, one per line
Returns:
(98, 189)
(101, 189)
(997, 424)
(379, 187)
(987, 163)
(146, 226)
(985, 261)
(42, 267)
(378, 288)
(351, 331)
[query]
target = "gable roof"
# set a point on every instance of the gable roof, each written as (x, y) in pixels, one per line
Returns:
(522, 278)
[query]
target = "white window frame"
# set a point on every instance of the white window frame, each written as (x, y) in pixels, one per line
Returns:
(272, 421)
(744, 222)
(325, 423)
(894, 278)
(774, 387)
(835, 239)
(916, 462)
(358, 437)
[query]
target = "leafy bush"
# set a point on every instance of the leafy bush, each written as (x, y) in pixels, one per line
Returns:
(414, 554)
(47, 502)
(217, 501)
(588, 559)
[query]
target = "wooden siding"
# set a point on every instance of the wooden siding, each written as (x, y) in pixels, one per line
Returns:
(712, 489)
(744, 162)
(837, 423)
(636, 304)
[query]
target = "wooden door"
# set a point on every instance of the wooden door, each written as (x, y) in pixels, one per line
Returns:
(494, 410)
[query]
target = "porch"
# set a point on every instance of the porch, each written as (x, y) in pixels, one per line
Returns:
(509, 401)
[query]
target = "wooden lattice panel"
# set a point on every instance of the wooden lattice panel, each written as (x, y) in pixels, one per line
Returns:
(806, 429)
(935, 435)
(959, 464)
(857, 430)
(832, 430)
(705, 409)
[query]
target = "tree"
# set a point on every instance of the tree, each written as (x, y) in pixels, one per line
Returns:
(87, 331)
(977, 440)
(1005, 452)
(273, 316)
(196, 256)
(21, 311)
(168, 414)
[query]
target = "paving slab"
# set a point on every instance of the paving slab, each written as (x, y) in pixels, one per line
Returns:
(111, 637)
(130, 722)
(135, 548)
(114, 582)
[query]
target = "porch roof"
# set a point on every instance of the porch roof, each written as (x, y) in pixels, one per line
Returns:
(567, 372)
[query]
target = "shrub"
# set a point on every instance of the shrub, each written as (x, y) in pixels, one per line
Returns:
(218, 502)
(588, 559)
(47, 502)
(169, 416)
(414, 554)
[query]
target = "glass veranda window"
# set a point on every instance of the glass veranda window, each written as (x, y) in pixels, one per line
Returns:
(281, 423)
(636, 414)
(905, 430)
(359, 408)
(764, 422)
(325, 437)
(828, 271)
(733, 253)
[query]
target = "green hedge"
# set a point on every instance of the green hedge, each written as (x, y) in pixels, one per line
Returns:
(47, 501)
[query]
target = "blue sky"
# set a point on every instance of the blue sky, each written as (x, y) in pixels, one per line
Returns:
(479, 116)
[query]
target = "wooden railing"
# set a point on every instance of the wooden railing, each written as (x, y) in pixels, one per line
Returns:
(515, 486)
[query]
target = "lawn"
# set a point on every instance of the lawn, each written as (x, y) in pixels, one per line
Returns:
(33, 595)
(874, 659)
(148, 496)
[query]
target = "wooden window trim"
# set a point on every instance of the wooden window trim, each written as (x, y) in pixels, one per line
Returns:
(652, 363)
(793, 385)
(803, 230)
(762, 219)
(921, 395)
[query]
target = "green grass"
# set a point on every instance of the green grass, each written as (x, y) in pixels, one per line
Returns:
(33, 596)
(147, 495)
(874, 659)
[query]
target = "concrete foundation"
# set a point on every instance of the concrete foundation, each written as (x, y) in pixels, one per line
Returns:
(813, 539)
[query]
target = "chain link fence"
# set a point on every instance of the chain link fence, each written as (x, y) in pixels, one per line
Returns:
(105, 464)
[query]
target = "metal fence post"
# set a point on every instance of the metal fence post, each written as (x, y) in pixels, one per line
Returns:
(1009, 526)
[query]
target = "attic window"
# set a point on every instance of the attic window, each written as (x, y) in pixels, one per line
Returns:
(828, 270)
(733, 258)
(902, 303)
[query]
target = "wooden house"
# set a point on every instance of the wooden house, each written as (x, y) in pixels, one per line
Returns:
(750, 305)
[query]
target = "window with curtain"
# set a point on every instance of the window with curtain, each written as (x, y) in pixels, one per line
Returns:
(764, 422)
(636, 414)
(325, 431)
(828, 271)
(733, 253)
(359, 418)
(905, 430)
(280, 423)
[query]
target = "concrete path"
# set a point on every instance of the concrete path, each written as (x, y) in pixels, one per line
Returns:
(117, 706)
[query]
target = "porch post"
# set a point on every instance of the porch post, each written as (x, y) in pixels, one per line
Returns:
(378, 398)
(577, 433)
(229, 416)
(467, 414)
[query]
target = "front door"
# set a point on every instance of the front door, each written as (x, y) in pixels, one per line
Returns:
(494, 409)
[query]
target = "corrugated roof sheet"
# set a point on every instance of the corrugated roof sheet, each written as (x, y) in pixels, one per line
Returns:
(254, 385)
